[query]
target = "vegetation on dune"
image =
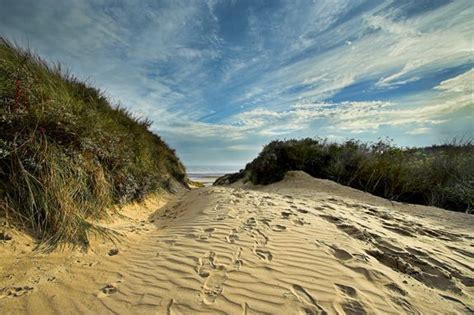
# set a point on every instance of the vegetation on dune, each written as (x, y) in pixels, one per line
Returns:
(66, 155)
(441, 176)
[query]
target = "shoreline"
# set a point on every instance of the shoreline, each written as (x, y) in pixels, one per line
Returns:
(207, 179)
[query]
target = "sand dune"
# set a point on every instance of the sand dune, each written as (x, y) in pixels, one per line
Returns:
(301, 246)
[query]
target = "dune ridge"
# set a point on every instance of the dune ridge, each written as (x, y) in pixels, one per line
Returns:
(294, 247)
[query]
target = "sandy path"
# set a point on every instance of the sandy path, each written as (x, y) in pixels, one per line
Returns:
(223, 250)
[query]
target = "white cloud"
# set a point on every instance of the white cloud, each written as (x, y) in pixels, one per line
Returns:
(174, 64)
(352, 117)
(243, 147)
(397, 52)
(419, 131)
(462, 84)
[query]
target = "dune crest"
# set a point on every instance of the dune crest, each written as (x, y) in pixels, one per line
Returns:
(295, 247)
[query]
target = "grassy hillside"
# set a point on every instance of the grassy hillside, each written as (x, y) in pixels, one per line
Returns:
(441, 176)
(66, 154)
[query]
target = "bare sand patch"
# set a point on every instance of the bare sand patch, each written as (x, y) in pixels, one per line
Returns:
(294, 247)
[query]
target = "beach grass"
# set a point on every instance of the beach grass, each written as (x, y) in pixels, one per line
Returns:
(67, 154)
(439, 175)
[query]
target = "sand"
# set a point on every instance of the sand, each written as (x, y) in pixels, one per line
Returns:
(300, 246)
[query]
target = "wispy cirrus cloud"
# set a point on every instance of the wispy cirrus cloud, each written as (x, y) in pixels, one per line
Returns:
(227, 76)
(338, 119)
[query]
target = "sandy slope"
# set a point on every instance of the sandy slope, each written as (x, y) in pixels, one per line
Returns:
(301, 246)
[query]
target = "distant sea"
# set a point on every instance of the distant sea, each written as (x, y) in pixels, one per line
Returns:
(207, 174)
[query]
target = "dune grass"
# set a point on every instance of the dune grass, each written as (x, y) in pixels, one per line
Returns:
(67, 154)
(441, 175)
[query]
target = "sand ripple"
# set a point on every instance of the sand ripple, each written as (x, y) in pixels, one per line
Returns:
(234, 251)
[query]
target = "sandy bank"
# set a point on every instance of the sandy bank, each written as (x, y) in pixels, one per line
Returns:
(296, 247)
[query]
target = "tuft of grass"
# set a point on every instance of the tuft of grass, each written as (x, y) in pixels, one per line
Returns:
(67, 154)
(440, 175)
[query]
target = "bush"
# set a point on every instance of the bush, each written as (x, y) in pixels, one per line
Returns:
(66, 155)
(441, 176)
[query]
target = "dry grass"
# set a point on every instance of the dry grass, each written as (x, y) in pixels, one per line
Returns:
(66, 154)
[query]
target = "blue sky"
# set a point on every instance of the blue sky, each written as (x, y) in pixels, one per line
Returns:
(222, 78)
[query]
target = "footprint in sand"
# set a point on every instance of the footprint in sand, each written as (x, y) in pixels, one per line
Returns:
(341, 254)
(15, 291)
(250, 224)
(353, 307)
(260, 237)
(286, 214)
(467, 309)
(206, 265)
(263, 254)
(232, 237)
(213, 285)
(347, 290)
(232, 213)
(300, 221)
(405, 305)
(328, 206)
(350, 305)
(108, 289)
(207, 234)
(396, 288)
(220, 217)
(356, 232)
(266, 221)
(423, 268)
(237, 262)
(304, 297)
(320, 209)
(331, 218)
(279, 228)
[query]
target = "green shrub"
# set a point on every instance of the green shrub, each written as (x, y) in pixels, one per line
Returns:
(66, 155)
(441, 176)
